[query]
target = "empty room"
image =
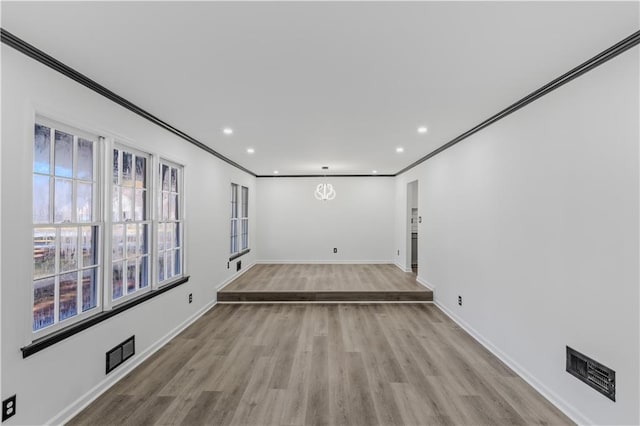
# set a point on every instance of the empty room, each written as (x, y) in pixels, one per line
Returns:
(320, 213)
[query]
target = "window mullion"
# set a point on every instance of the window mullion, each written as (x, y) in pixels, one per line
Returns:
(107, 211)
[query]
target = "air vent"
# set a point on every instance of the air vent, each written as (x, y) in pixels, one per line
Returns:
(596, 375)
(120, 354)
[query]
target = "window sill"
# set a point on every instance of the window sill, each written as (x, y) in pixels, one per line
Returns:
(237, 255)
(76, 328)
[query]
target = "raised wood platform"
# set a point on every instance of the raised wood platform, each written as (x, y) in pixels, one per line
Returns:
(325, 283)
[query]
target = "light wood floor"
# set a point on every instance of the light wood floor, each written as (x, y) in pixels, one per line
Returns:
(325, 283)
(339, 364)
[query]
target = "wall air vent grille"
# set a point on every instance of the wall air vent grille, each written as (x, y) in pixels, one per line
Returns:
(596, 375)
(120, 353)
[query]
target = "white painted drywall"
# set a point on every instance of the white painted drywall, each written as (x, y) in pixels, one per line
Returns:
(534, 221)
(52, 380)
(295, 227)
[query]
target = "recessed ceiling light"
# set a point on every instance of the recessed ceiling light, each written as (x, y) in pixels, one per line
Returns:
(250, 150)
(422, 129)
(374, 171)
(275, 172)
(227, 131)
(399, 149)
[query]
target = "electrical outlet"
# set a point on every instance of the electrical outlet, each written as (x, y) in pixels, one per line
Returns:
(398, 252)
(335, 250)
(460, 300)
(8, 407)
(227, 265)
(190, 297)
(238, 265)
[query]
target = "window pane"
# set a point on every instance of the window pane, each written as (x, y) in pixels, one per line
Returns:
(168, 236)
(141, 205)
(40, 199)
(87, 236)
(127, 204)
(245, 201)
(169, 264)
(143, 229)
(172, 206)
(117, 280)
(63, 154)
(43, 299)
(115, 166)
(165, 206)
(84, 201)
(131, 276)
(117, 242)
(165, 177)
(176, 236)
(176, 205)
(85, 159)
(68, 249)
(177, 262)
(44, 251)
(42, 149)
(115, 202)
(161, 236)
(161, 266)
(174, 179)
(132, 240)
(141, 172)
(143, 271)
(127, 169)
(68, 306)
(62, 205)
(89, 289)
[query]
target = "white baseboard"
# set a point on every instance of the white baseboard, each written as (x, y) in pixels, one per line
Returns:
(234, 276)
(81, 403)
(551, 396)
(323, 262)
(425, 283)
(402, 268)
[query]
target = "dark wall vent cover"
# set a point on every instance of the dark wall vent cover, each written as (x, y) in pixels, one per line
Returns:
(596, 375)
(120, 354)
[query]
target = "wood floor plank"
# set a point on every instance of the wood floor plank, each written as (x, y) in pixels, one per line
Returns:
(317, 410)
(321, 364)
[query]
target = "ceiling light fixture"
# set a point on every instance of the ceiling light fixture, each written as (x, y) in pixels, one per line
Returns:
(275, 172)
(422, 129)
(399, 149)
(324, 191)
(227, 131)
(374, 172)
(250, 150)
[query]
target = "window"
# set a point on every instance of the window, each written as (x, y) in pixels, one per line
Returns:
(170, 224)
(66, 226)
(234, 218)
(239, 220)
(244, 218)
(129, 223)
(85, 264)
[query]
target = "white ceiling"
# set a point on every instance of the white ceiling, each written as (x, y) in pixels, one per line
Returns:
(312, 84)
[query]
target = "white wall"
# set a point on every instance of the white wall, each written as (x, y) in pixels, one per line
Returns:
(51, 380)
(534, 221)
(295, 227)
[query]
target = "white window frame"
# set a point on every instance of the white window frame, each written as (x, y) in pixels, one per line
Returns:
(160, 221)
(234, 238)
(244, 218)
(108, 289)
(97, 197)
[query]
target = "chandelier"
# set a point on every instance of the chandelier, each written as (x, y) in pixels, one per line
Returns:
(325, 192)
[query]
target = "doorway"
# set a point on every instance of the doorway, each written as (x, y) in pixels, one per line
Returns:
(413, 220)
